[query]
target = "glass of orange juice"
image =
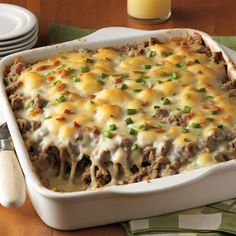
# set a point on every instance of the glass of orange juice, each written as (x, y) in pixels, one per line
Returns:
(149, 10)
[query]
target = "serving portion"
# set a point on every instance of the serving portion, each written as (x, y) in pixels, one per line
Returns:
(114, 116)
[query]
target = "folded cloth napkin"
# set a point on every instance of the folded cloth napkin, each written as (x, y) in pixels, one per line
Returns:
(213, 220)
(62, 33)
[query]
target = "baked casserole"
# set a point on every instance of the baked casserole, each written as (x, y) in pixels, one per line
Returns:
(112, 116)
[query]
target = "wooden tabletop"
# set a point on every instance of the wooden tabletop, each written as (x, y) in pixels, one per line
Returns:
(216, 17)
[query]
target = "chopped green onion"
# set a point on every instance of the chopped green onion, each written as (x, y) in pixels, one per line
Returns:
(156, 107)
(166, 101)
(174, 75)
(134, 146)
(168, 54)
(124, 87)
(125, 75)
(129, 121)
(75, 79)
(101, 82)
(48, 117)
(103, 75)
(61, 99)
(147, 66)
(201, 90)
(197, 61)
(210, 119)
(133, 131)
(63, 57)
(196, 125)
(139, 80)
(220, 126)
(112, 127)
(186, 140)
(214, 112)
(181, 64)
(184, 130)
(137, 90)
(60, 67)
(143, 127)
(84, 69)
(89, 60)
(50, 73)
(30, 104)
(107, 134)
(150, 54)
(139, 71)
(186, 109)
(57, 82)
(209, 97)
(70, 70)
(131, 111)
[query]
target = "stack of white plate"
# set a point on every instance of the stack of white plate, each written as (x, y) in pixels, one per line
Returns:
(18, 29)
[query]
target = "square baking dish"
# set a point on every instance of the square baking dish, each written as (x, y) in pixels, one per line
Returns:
(68, 211)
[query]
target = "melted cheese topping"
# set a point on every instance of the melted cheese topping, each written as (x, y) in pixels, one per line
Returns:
(108, 96)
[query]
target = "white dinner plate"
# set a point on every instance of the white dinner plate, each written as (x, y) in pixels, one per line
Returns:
(15, 21)
(28, 46)
(20, 43)
(19, 39)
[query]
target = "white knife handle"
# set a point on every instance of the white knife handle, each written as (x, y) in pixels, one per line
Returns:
(12, 184)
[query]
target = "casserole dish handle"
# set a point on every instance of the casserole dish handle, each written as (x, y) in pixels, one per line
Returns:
(12, 184)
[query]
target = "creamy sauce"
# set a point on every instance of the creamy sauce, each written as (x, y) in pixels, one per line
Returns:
(119, 95)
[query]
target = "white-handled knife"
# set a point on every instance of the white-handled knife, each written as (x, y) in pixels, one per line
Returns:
(12, 183)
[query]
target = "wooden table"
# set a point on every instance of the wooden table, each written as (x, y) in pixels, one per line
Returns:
(216, 17)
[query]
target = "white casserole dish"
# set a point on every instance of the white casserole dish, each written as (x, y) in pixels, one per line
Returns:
(76, 210)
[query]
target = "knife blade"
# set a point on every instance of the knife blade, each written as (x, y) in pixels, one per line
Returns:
(5, 138)
(12, 184)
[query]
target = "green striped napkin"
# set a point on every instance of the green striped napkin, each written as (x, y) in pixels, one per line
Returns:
(61, 33)
(212, 220)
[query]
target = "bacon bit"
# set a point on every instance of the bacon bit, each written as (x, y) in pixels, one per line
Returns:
(211, 106)
(62, 119)
(19, 67)
(56, 63)
(208, 85)
(43, 67)
(200, 72)
(190, 63)
(76, 125)
(159, 130)
(119, 80)
(50, 78)
(69, 112)
(91, 96)
(93, 129)
(64, 73)
(60, 87)
(189, 116)
(36, 111)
